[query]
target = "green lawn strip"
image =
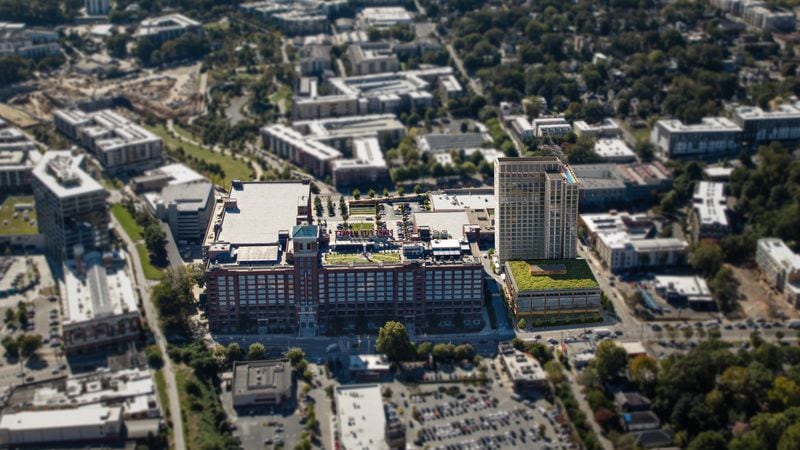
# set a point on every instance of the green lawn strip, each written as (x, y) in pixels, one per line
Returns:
(201, 410)
(10, 225)
(578, 275)
(161, 387)
(127, 221)
(151, 272)
(233, 168)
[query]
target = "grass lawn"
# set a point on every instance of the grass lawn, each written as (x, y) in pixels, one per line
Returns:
(283, 93)
(127, 221)
(11, 224)
(362, 211)
(641, 134)
(161, 387)
(201, 410)
(578, 275)
(362, 226)
(151, 272)
(386, 257)
(233, 168)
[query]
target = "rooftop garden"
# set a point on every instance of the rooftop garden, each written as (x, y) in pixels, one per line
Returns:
(17, 222)
(359, 258)
(577, 275)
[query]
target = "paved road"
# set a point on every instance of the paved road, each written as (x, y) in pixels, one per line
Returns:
(152, 320)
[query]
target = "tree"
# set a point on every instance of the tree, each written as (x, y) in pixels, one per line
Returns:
(295, 355)
(256, 351)
(708, 440)
(643, 370)
(609, 360)
(443, 352)
(522, 324)
(424, 350)
(156, 240)
(356, 194)
(11, 346)
(724, 287)
(117, 45)
(371, 193)
(393, 341)
(29, 344)
(10, 316)
(154, 358)
(707, 257)
(234, 352)
(784, 393)
(173, 297)
(790, 439)
(342, 206)
(464, 351)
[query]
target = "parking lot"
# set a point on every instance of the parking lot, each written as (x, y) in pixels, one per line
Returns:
(42, 317)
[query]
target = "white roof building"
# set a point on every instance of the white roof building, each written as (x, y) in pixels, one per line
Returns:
(383, 17)
(614, 150)
(360, 418)
(710, 209)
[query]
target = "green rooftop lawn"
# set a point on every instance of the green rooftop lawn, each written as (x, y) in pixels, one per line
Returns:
(358, 258)
(10, 225)
(578, 276)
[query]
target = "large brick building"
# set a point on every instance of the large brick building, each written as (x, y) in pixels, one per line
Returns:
(271, 271)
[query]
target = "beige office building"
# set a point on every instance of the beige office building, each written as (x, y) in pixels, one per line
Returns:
(537, 209)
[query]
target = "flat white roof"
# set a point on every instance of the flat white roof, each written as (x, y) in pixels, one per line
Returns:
(686, 285)
(451, 221)
(708, 124)
(60, 418)
(783, 111)
(633, 348)
(779, 251)
(362, 422)
(455, 202)
(178, 174)
(710, 203)
(61, 172)
(263, 209)
(613, 148)
(97, 291)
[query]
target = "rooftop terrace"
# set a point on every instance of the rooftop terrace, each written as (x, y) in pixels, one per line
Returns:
(546, 275)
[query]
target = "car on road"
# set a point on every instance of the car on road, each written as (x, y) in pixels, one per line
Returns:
(332, 348)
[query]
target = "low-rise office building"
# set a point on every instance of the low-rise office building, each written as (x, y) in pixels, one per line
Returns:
(522, 369)
(261, 383)
(368, 367)
(522, 127)
(606, 186)
(168, 175)
(608, 128)
(547, 289)
(709, 218)
(627, 242)
(685, 290)
(713, 137)
(99, 304)
(186, 208)
(450, 88)
(166, 28)
(364, 421)
(614, 151)
(384, 17)
(758, 125)
(58, 426)
(769, 20)
(781, 267)
(295, 17)
(118, 143)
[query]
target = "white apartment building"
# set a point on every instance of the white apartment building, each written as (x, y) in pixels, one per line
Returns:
(97, 7)
(366, 167)
(769, 20)
(118, 143)
(758, 125)
(293, 145)
(185, 207)
(781, 267)
(372, 57)
(537, 209)
(315, 59)
(450, 88)
(608, 128)
(709, 217)
(551, 126)
(165, 28)
(523, 127)
(384, 17)
(295, 17)
(713, 136)
(18, 156)
(18, 39)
